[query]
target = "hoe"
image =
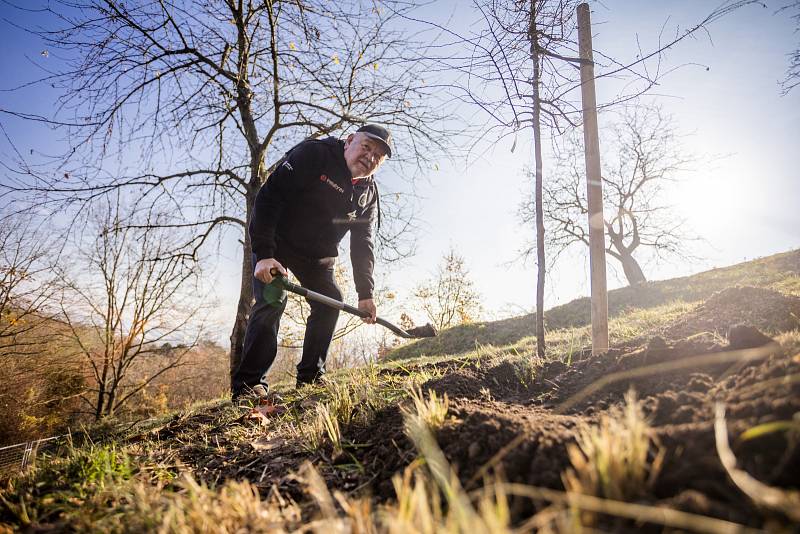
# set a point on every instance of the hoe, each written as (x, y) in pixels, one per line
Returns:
(273, 294)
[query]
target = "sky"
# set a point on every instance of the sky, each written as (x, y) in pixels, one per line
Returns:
(741, 196)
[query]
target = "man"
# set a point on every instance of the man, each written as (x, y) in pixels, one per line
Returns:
(318, 192)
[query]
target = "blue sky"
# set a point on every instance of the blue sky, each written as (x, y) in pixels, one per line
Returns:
(742, 198)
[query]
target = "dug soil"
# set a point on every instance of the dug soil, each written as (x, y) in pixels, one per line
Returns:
(513, 419)
(719, 352)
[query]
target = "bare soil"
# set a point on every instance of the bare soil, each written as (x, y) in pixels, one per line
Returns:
(502, 422)
(493, 408)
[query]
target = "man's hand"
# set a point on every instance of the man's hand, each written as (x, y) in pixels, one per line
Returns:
(368, 305)
(263, 267)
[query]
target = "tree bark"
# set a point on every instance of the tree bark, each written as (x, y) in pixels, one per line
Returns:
(108, 411)
(624, 253)
(633, 272)
(537, 143)
(98, 412)
(246, 289)
(257, 149)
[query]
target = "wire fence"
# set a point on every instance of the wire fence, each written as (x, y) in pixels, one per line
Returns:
(16, 458)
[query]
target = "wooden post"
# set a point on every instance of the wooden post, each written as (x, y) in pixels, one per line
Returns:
(594, 183)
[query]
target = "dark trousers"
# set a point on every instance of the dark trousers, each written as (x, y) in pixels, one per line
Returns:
(261, 336)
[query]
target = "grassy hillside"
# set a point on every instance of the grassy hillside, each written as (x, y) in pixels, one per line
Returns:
(780, 272)
(688, 423)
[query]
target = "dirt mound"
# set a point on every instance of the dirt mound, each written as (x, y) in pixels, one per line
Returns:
(764, 309)
(511, 417)
(521, 428)
(383, 449)
(527, 443)
(503, 379)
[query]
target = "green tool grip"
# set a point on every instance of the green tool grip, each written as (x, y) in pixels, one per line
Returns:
(274, 293)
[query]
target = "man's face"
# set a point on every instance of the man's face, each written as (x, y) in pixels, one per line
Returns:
(363, 155)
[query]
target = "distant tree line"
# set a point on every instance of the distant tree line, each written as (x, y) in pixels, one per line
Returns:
(101, 331)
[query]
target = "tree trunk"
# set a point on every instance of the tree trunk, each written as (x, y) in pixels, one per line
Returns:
(245, 289)
(537, 143)
(112, 395)
(98, 411)
(633, 272)
(102, 386)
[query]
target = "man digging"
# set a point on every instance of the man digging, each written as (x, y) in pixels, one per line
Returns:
(318, 192)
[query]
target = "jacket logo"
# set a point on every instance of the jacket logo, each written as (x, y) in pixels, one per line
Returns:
(352, 215)
(288, 166)
(362, 200)
(324, 178)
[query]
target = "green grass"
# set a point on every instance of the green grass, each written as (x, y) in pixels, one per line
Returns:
(628, 305)
(132, 478)
(63, 486)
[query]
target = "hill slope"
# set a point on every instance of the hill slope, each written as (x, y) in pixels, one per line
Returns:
(780, 272)
(518, 431)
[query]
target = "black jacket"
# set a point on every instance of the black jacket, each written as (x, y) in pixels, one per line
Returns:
(309, 203)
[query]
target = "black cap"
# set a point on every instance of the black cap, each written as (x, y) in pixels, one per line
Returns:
(380, 134)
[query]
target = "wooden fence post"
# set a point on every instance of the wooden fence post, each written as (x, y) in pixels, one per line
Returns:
(594, 183)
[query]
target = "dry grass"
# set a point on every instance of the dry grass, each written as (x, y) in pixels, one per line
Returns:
(420, 507)
(357, 516)
(632, 309)
(193, 507)
(645, 321)
(330, 425)
(615, 459)
(430, 412)
(785, 501)
(343, 400)
(355, 396)
(430, 498)
(319, 428)
(789, 285)
(419, 377)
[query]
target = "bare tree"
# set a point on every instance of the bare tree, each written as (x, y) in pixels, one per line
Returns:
(122, 306)
(792, 78)
(526, 44)
(203, 377)
(187, 104)
(449, 298)
(27, 285)
(641, 157)
(39, 377)
(522, 71)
